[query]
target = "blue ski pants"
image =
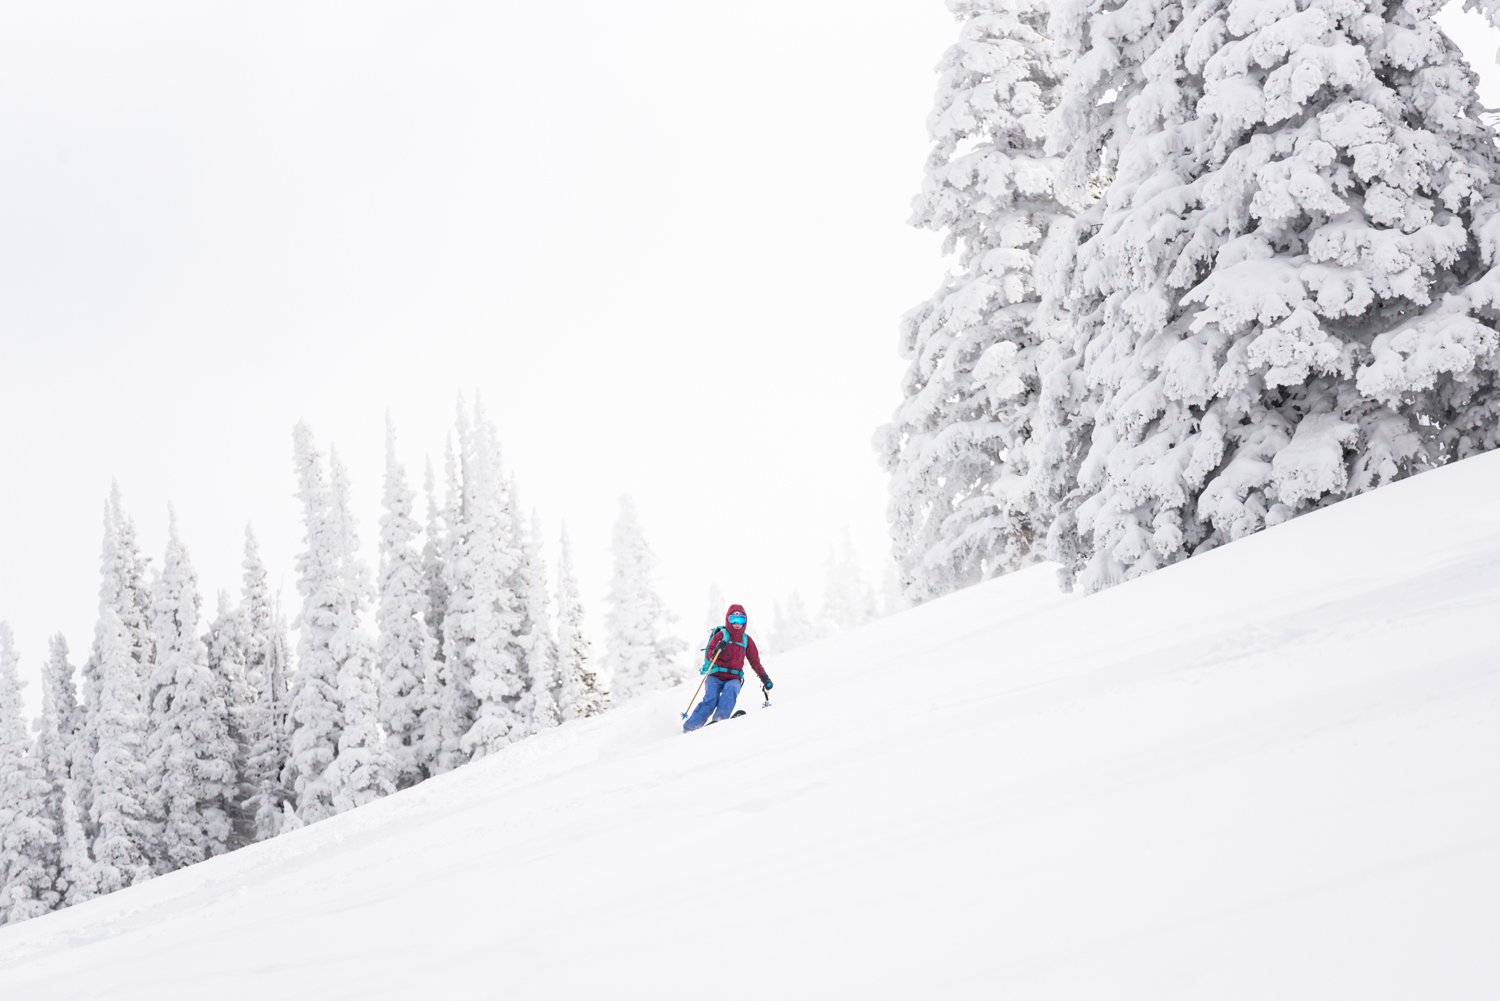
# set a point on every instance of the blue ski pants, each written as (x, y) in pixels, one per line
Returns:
(719, 695)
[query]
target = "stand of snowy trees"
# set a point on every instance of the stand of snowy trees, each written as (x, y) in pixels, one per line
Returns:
(1218, 263)
(850, 600)
(178, 741)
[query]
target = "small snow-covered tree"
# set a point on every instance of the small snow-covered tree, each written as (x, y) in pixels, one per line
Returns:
(405, 650)
(434, 578)
(848, 599)
(538, 705)
(190, 749)
(641, 655)
(267, 733)
(713, 617)
(74, 877)
(28, 838)
(792, 626)
(120, 811)
(228, 644)
(362, 770)
(962, 505)
(80, 876)
(891, 598)
(1287, 293)
(456, 704)
(579, 693)
(135, 598)
(484, 589)
(58, 686)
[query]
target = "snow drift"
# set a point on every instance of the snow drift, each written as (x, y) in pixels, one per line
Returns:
(1270, 771)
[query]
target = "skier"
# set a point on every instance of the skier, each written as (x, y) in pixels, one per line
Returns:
(728, 649)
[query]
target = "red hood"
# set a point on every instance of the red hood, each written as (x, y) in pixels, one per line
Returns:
(732, 610)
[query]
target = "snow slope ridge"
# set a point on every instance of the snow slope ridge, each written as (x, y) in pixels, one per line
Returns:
(1270, 772)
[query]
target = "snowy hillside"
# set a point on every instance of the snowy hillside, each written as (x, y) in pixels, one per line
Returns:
(1269, 772)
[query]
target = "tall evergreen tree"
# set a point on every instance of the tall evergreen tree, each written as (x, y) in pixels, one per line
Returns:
(439, 531)
(267, 722)
(962, 506)
(122, 590)
(228, 648)
(457, 706)
(191, 753)
(315, 711)
(493, 619)
(641, 655)
(120, 810)
(579, 692)
(405, 652)
(28, 839)
(362, 770)
(1286, 294)
(74, 878)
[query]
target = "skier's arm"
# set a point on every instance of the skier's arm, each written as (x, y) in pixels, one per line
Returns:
(753, 655)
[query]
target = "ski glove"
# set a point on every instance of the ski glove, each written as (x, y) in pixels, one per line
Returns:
(768, 684)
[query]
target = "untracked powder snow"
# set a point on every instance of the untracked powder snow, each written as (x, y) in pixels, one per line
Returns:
(1270, 771)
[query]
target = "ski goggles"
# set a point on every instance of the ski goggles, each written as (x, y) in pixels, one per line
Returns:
(736, 620)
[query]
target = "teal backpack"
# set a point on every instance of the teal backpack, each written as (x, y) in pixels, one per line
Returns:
(728, 641)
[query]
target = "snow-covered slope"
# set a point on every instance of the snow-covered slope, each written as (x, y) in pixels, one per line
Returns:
(1270, 772)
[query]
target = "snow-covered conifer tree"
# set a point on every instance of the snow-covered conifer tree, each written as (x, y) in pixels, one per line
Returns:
(433, 560)
(456, 704)
(80, 877)
(362, 770)
(59, 687)
(405, 647)
(135, 598)
(120, 811)
(891, 598)
(538, 705)
(962, 507)
(795, 628)
(713, 618)
(488, 642)
(579, 693)
(227, 643)
(123, 590)
(1286, 294)
(640, 654)
(440, 520)
(191, 753)
(266, 731)
(75, 879)
(315, 712)
(28, 838)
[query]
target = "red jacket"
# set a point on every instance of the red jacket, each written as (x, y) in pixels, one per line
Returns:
(729, 658)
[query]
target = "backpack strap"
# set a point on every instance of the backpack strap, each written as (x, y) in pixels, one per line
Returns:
(722, 634)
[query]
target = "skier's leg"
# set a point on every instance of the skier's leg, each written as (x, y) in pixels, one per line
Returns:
(706, 707)
(727, 695)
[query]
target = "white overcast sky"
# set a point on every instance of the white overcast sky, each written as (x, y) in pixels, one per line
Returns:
(664, 240)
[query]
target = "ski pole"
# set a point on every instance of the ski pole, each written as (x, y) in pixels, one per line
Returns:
(766, 692)
(695, 696)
